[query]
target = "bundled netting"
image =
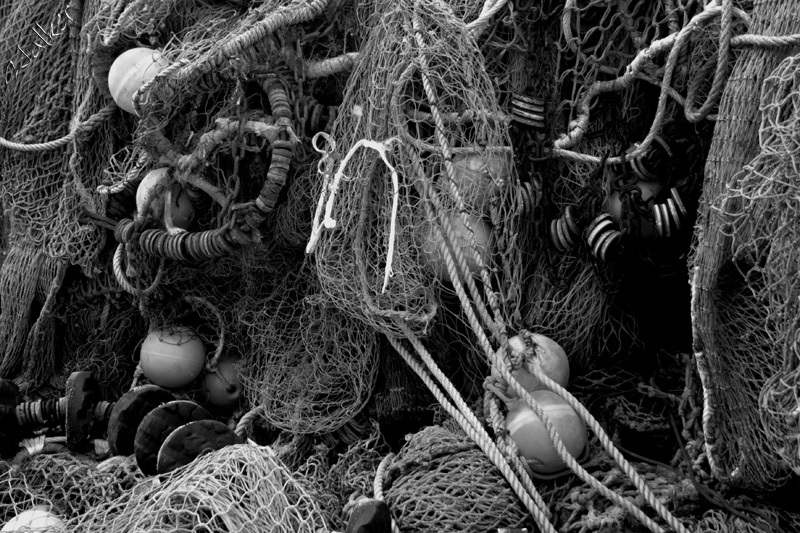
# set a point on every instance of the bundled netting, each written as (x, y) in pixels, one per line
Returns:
(45, 184)
(744, 263)
(65, 484)
(312, 367)
(441, 481)
(762, 206)
(418, 157)
(239, 488)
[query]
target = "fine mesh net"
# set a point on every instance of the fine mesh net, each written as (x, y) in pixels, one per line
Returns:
(312, 367)
(239, 488)
(42, 190)
(382, 207)
(762, 204)
(742, 341)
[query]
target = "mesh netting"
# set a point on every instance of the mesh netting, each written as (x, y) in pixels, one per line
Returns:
(384, 207)
(66, 484)
(745, 266)
(441, 481)
(240, 488)
(45, 189)
(312, 367)
(762, 203)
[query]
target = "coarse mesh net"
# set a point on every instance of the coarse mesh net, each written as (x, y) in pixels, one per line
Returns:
(66, 484)
(742, 298)
(337, 481)
(239, 488)
(441, 481)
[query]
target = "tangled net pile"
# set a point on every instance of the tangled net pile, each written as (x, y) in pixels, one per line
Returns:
(313, 367)
(374, 214)
(240, 488)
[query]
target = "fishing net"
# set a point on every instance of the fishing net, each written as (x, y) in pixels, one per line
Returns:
(761, 204)
(239, 488)
(742, 309)
(46, 185)
(441, 481)
(311, 367)
(65, 484)
(606, 100)
(395, 177)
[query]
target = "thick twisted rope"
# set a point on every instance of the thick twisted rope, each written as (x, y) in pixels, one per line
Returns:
(212, 364)
(674, 42)
(377, 485)
(84, 127)
(247, 420)
(604, 439)
(721, 72)
(532, 500)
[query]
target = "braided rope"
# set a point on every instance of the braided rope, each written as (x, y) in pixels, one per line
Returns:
(570, 461)
(489, 9)
(85, 127)
(480, 437)
(447, 154)
(122, 279)
(213, 363)
(377, 485)
(721, 73)
(247, 420)
(605, 441)
(766, 41)
(465, 410)
(674, 43)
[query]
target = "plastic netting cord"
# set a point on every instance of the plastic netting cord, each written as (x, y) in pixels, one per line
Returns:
(240, 488)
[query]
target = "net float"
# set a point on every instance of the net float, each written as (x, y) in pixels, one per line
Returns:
(223, 387)
(546, 354)
(172, 358)
(477, 227)
(130, 71)
(36, 520)
(478, 175)
(156, 196)
(532, 438)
